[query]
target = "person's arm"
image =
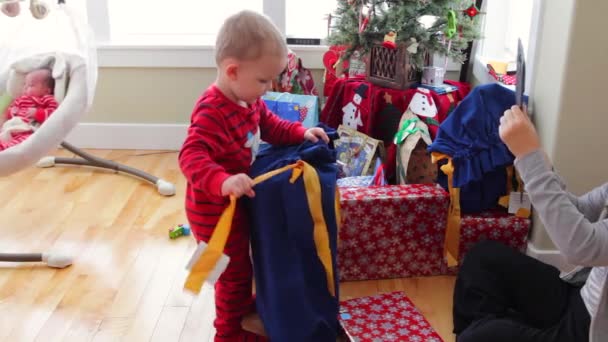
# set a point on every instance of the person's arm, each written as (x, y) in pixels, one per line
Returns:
(580, 241)
(277, 131)
(205, 136)
(48, 105)
(588, 204)
(592, 203)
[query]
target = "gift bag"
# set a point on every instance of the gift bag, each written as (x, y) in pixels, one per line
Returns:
(334, 68)
(414, 163)
(294, 107)
(357, 152)
(295, 79)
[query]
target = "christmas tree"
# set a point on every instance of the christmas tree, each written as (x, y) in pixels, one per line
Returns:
(425, 26)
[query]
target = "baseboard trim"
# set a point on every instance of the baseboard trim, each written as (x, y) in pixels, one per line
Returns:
(121, 136)
(549, 256)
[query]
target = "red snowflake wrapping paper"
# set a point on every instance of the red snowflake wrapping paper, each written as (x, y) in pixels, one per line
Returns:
(491, 225)
(385, 317)
(398, 231)
(394, 231)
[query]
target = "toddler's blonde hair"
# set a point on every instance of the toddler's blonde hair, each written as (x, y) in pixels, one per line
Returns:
(248, 35)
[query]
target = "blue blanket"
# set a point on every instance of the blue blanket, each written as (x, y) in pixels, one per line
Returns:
(292, 295)
(470, 137)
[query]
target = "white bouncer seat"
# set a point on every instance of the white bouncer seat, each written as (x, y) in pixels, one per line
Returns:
(75, 74)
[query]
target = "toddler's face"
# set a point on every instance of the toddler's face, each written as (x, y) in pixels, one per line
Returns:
(254, 78)
(36, 85)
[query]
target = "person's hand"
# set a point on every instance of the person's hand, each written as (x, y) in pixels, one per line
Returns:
(238, 185)
(518, 133)
(316, 133)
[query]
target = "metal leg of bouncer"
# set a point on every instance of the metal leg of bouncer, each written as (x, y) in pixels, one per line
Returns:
(163, 187)
(52, 260)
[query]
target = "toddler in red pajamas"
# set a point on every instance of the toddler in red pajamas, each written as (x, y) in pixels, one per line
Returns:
(29, 110)
(228, 122)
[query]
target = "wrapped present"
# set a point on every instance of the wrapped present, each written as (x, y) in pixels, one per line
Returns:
(295, 79)
(385, 317)
(491, 225)
(294, 107)
(357, 65)
(355, 181)
(393, 231)
(357, 152)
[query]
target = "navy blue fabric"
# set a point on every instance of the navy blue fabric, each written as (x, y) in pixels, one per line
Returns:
(292, 296)
(470, 136)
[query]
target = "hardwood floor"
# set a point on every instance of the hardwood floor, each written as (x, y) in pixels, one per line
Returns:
(127, 277)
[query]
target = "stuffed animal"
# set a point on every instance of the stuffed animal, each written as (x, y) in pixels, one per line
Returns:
(38, 8)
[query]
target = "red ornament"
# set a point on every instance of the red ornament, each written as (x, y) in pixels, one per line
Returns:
(471, 11)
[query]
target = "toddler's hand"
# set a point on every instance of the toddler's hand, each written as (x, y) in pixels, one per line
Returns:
(316, 133)
(238, 185)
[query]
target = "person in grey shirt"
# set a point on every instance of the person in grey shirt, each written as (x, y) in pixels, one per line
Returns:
(504, 295)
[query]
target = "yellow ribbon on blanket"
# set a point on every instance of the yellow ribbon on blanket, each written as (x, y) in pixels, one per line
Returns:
(338, 209)
(505, 200)
(205, 264)
(452, 232)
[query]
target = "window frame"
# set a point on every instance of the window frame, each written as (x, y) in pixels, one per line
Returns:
(113, 54)
(495, 37)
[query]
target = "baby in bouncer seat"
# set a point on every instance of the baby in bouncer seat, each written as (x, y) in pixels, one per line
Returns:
(29, 110)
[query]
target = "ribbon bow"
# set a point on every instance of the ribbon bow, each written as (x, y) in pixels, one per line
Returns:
(405, 131)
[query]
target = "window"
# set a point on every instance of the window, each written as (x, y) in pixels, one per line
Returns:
(196, 22)
(171, 22)
(181, 33)
(503, 24)
(308, 19)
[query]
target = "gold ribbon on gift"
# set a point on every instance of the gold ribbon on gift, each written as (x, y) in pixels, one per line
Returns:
(452, 231)
(312, 185)
(338, 209)
(504, 200)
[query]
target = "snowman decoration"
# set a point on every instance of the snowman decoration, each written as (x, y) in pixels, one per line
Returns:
(422, 104)
(352, 110)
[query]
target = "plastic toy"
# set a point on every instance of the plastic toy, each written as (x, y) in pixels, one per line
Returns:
(179, 230)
